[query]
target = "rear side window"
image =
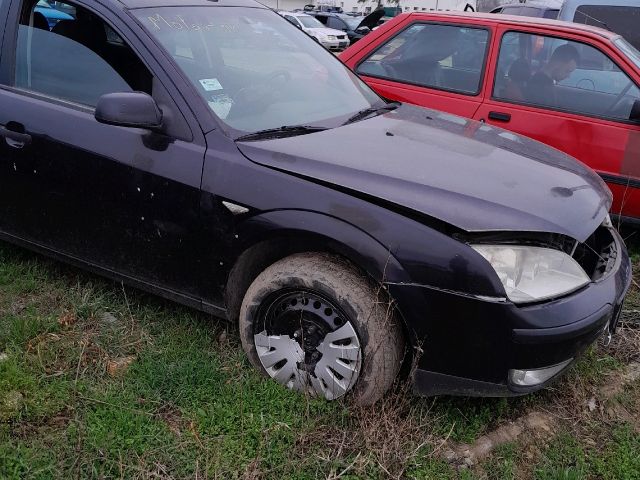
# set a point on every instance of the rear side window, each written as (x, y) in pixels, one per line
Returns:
(446, 57)
(622, 20)
(562, 75)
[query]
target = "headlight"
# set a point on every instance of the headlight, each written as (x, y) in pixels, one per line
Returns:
(331, 37)
(530, 274)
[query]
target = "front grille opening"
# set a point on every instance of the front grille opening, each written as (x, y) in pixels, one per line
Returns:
(597, 255)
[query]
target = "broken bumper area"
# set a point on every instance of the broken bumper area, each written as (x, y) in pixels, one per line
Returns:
(476, 347)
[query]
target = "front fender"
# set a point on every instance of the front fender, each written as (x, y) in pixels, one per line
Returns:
(336, 234)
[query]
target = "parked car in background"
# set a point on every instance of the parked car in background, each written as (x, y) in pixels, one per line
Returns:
(355, 27)
(50, 14)
(574, 87)
(183, 154)
(619, 16)
(530, 9)
(327, 37)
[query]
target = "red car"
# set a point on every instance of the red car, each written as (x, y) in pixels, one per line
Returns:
(574, 87)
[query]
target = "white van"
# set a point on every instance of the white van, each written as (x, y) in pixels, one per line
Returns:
(620, 16)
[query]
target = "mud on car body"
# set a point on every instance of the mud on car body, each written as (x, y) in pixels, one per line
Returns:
(176, 148)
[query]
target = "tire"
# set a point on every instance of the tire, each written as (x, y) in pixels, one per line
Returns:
(318, 300)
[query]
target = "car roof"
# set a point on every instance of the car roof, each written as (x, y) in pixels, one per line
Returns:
(185, 3)
(492, 18)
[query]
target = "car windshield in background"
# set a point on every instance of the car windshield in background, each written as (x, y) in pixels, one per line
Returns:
(310, 22)
(255, 70)
(628, 50)
(353, 22)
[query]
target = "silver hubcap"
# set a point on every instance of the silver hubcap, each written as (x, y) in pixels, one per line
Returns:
(312, 359)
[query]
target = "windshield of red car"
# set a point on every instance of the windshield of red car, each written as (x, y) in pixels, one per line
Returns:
(255, 70)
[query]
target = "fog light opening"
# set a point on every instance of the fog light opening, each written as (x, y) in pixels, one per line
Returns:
(530, 378)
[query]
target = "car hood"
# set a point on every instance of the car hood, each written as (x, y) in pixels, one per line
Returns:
(325, 31)
(465, 173)
(372, 19)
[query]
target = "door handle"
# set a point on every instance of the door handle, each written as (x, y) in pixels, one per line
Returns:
(15, 139)
(499, 116)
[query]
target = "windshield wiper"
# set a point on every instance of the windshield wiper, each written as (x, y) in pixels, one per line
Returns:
(367, 112)
(280, 132)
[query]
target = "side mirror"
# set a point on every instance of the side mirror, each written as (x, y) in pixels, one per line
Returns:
(634, 116)
(363, 30)
(129, 109)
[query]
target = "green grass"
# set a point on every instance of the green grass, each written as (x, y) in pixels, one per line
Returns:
(190, 405)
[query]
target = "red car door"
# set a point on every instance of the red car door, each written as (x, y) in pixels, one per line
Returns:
(426, 61)
(582, 108)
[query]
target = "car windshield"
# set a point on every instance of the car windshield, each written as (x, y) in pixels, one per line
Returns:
(353, 22)
(255, 70)
(628, 50)
(310, 22)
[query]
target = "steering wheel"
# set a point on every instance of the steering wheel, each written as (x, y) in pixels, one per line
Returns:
(586, 81)
(258, 96)
(618, 99)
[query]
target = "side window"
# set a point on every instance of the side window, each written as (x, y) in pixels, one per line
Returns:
(322, 19)
(66, 52)
(564, 75)
(446, 57)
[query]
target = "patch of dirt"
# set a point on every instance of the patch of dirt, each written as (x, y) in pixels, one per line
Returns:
(67, 319)
(118, 366)
(172, 417)
(534, 424)
(55, 422)
(387, 436)
(617, 381)
(539, 426)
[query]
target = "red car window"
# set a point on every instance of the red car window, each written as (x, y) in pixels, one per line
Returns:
(446, 57)
(562, 75)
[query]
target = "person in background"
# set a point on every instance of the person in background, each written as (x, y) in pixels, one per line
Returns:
(541, 87)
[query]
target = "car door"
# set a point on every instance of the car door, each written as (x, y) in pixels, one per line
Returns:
(585, 114)
(435, 65)
(123, 200)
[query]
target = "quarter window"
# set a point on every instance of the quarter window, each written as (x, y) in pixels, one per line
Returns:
(446, 57)
(563, 75)
(67, 52)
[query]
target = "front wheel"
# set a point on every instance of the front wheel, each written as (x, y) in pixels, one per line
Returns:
(317, 325)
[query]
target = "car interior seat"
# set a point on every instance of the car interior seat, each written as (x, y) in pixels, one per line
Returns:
(40, 21)
(86, 32)
(517, 77)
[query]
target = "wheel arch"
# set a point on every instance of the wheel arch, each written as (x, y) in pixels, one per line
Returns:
(272, 236)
